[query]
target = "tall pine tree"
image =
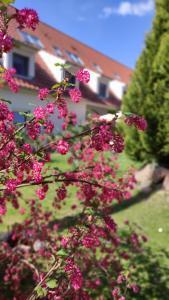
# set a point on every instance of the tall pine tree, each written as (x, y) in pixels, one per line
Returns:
(148, 93)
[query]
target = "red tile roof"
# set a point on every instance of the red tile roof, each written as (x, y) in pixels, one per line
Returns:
(51, 37)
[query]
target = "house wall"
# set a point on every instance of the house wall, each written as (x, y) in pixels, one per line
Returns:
(50, 60)
(117, 87)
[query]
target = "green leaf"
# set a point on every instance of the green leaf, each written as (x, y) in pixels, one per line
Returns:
(128, 114)
(3, 8)
(41, 292)
(71, 84)
(7, 1)
(28, 115)
(65, 66)
(55, 86)
(51, 283)
(61, 252)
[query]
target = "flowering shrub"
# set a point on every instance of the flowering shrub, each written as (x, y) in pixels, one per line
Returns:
(89, 259)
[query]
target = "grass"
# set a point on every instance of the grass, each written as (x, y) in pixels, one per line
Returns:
(151, 212)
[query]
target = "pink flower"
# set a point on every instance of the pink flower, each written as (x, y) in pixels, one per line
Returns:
(122, 298)
(75, 94)
(116, 293)
(11, 184)
(62, 110)
(90, 241)
(121, 278)
(62, 147)
(8, 77)
(49, 126)
(43, 93)
(39, 112)
(61, 193)
(4, 112)
(110, 223)
(83, 75)
(139, 122)
(2, 210)
(22, 210)
(117, 143)
(27, 18)
(6, 43)
(40, 193)
(50, 107)
(27, 148)
(135, 288)
(75, 275)
(76, 279)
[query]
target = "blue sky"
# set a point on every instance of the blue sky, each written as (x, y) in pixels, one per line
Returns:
(115, 27)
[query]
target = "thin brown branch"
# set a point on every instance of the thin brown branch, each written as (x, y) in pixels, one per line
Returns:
(34, 295)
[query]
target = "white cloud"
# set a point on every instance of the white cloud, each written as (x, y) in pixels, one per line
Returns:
(140, 8)
(106, 12)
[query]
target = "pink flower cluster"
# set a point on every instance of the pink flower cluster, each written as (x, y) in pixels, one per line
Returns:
(5, 114)
(6, 42)
(8, 77)
(62, 147)
(110, 223)
(43, 93)
(83, 76)
(11, 184)
(39, 113)
(117, 143)
(139, 122)
(27, 18)
(41, 192)
(75, 94)
(75, 274)
(101, 137)
(36, 171)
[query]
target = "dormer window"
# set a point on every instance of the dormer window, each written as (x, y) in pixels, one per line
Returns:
(21, 64)
(74, 57)
(97, 68)
(32, 39)
(102, 90)
(57, 51)
(72, 78)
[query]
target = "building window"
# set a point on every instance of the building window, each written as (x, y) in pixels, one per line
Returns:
(74, 57)
(102, 90)
(58, 52)
(32, 39)
(21, 64)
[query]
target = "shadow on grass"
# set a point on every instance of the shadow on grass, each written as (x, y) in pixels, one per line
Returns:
(68, 221)
(139, 197)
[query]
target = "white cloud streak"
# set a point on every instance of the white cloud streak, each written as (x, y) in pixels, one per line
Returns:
(125, 8)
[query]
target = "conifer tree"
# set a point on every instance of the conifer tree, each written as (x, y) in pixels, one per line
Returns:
(148, 93)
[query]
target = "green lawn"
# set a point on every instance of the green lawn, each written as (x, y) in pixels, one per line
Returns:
(151, 212)
(152, 215)
(148, 211)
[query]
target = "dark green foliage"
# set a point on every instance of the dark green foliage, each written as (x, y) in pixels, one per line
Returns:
(148, 93)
